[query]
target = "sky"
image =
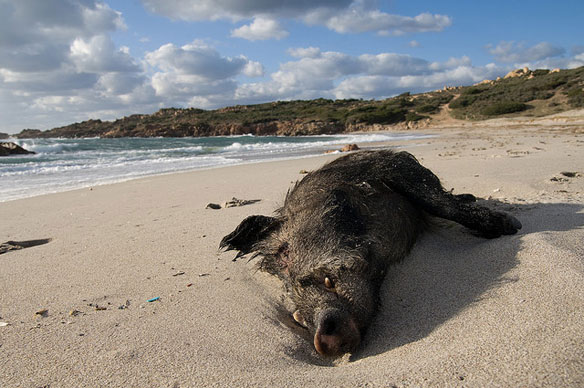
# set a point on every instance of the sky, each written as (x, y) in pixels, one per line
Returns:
(65, 61)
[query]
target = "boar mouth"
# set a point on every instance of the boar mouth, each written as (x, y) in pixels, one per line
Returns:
(336, 333)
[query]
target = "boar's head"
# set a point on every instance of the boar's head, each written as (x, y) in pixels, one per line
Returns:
(334, 298)
(324, 261)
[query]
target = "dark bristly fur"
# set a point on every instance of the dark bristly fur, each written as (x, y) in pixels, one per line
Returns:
(339, 230)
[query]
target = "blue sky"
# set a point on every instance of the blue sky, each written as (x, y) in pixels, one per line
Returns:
(63, 61)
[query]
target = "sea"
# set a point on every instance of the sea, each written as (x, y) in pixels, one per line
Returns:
(68, 164)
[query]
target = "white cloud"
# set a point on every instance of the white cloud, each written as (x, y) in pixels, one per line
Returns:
(174, 87)
(308, 52)
(36, 36)
(338, 75)
(33, 57)
(64, 81)
(543, 55)
(514, 52)
(253, 69)
(58, 63)
(414, 44)
(451, 63)
(325, 74)
(559, 63)
(236, 9)
(261, 29)
(64, 67)
(371, 86)
(27, 22)
(99, 17)
(391, 64)
(356, 20)
(315, 73)
(195, 59)
(342, 16)
(197, 72)
(120, 83)
(98, 54)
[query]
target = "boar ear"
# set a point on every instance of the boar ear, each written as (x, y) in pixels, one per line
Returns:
(251, 230)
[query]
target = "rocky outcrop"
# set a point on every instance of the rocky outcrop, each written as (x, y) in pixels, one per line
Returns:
(484, 82)
(9, 148)
(518, 73)
(4, 135)
(30, 134)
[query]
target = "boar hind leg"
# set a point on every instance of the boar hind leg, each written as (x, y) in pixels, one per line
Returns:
(423, 188)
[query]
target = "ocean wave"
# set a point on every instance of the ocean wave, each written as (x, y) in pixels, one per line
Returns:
(314, 142)
(44, 147)
(65, 164)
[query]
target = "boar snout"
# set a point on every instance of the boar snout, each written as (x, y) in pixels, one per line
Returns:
(336, 333)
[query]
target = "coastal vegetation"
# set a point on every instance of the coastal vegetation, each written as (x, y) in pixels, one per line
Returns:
(521, 92)
(540, 91)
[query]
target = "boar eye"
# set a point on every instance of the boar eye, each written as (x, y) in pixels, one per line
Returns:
(328, 283)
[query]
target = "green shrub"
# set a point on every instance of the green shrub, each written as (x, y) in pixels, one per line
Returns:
(538, 72)
(388, 115)
(554, 83)
(472, 90)
(503, 107)
(413, 116)
(403, 102)
(576, 97)
(427, 108)
(462, 102)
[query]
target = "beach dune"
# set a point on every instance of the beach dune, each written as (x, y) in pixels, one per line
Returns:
(82, 311)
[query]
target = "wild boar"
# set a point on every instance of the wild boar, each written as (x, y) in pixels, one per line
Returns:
(341, 227)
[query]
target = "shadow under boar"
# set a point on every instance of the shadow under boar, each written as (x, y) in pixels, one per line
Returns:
(339, 230)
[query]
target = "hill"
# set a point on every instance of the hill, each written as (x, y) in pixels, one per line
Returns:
(521, 93)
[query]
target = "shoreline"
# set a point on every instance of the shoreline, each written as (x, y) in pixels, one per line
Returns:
(249, 159)
(459, 311)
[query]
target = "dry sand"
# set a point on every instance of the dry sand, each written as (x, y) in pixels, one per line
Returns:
(461, 311)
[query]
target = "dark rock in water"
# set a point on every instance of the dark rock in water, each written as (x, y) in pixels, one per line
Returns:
(4, 135)
(9, 148)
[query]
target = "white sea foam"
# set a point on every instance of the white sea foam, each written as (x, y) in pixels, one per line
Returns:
(65, 164)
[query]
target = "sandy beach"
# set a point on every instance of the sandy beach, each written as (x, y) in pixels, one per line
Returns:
(460, 311)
